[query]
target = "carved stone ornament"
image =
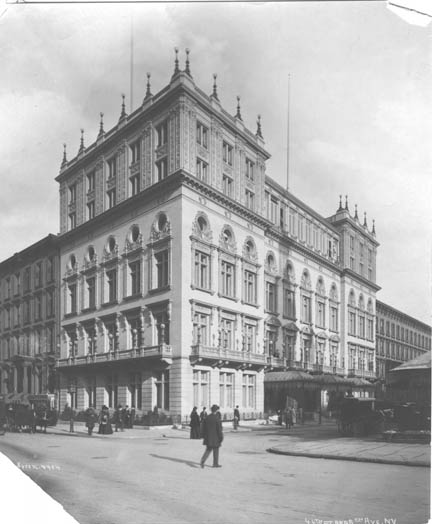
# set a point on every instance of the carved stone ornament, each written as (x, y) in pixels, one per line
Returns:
(320, 288)
(249, 250)
(161, 228)
(131, 246)
(201, 228)
(333, 293)
(271, 263)
(227, 239)
(306, 282)
(289, 273)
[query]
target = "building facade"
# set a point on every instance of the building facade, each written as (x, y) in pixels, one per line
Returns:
(29, 313)
(186, 272)
(399, 338)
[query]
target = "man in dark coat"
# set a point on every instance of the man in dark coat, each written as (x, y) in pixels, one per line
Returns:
(213, 437)
(236, 420)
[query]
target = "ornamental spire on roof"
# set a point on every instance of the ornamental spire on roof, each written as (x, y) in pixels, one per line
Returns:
(176, 62)
(214, 94)
(81, 147)
(356, 214)
(238, 114)
(340, 203)
(123, 114)
(64, 161)
(187, 69)
(346, 203)
(365, 221)
(101, 126)
(148, 90)
(258, 131)
(373, 227)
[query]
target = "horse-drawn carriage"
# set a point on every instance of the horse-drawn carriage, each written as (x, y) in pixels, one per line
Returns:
(25, 412)
(357, 416)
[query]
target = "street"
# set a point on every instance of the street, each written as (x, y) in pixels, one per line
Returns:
(140, 477)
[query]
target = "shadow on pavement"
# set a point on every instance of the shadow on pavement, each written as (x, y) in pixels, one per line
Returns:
(187, 462)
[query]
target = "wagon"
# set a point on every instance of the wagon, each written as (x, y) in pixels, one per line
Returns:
(357, 417)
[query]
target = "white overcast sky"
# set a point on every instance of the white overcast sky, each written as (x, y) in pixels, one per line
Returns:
(360, 107)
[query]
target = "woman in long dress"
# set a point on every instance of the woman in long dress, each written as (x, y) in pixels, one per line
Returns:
(195, 424)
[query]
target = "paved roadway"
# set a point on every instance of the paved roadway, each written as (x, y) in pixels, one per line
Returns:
(153, 477)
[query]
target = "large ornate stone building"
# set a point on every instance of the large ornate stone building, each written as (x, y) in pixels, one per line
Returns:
(29, 312)
(399, 338)
(187, 272)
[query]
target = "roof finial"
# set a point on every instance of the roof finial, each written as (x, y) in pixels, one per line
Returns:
(81, 148)
(187, 69)
(258, 131)
(214, 94)
(176, 62)
(340, 203)
(123, 110)
(101, 128)
(238, 114)
(373, 227)
(346, 202)
(356, 214)
(64, 161)
(365, 221)
(148, 91)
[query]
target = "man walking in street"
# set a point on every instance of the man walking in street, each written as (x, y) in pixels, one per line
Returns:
(236, 420)
(212, 436)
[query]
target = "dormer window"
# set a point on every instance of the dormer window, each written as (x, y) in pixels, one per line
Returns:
(162, 134)
(112, 167)
(227, 152)
(135, 152)
(72, 194)
(249, 169)
(91, 181)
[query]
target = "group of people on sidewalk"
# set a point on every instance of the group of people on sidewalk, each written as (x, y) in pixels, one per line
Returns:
(123, 418)
(197, 421)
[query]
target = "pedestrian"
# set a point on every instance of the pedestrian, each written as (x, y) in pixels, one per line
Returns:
(71, 421)
(132, 418)
(203, 416)
(288, 418)
(119, 418)
(236, 421)
(104, 423)
(294, 416)
(127, 415)
(279, 416)
(194, 424)
(90, 420)
(212, 436)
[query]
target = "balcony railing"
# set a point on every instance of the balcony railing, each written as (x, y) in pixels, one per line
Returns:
(161, 351)
(275, 361)
(225, 355)
(362, 373)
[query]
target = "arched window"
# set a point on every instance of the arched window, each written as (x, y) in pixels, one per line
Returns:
(351, 298)
(320, 287)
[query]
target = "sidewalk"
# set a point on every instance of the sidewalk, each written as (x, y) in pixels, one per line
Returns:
(323, 441)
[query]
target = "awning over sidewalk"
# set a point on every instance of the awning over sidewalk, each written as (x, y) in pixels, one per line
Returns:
(332, 382)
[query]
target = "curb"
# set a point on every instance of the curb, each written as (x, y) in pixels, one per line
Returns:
(349, 458)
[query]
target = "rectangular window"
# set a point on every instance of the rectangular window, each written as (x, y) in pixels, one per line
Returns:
(162, 390)
(288, 303)
(162, 269)
(351, 323)
(91, 181)
(49, 304)
(112, 391)
(135, 390)
(227, 279)
(227, 152)
(250, 336)
(91, 210)
(162, 327)
(333, 318)
(361, 326)
(370, 329)
(27, 274)
(202, 135)
(227, 333)
(226, 384)
(111, 198)
(271, 297)
(112, 285)
(49, 269)
(248, 391)
(134, 184)
(26, 312)
(250, 287)
(135, 277)
(249, 169)
(227, 185)
(162, 134)
(38, 274)
(112, 167)
(91, 392)
(162, 169)
(72, 194)
(201, 328)
(202, 270)
(250, 199)
(320, 314)
(135, 152)
(201, 388)
(72, 298)
(274, 206)
(201, 169)
(306, 309)
(91, 292)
